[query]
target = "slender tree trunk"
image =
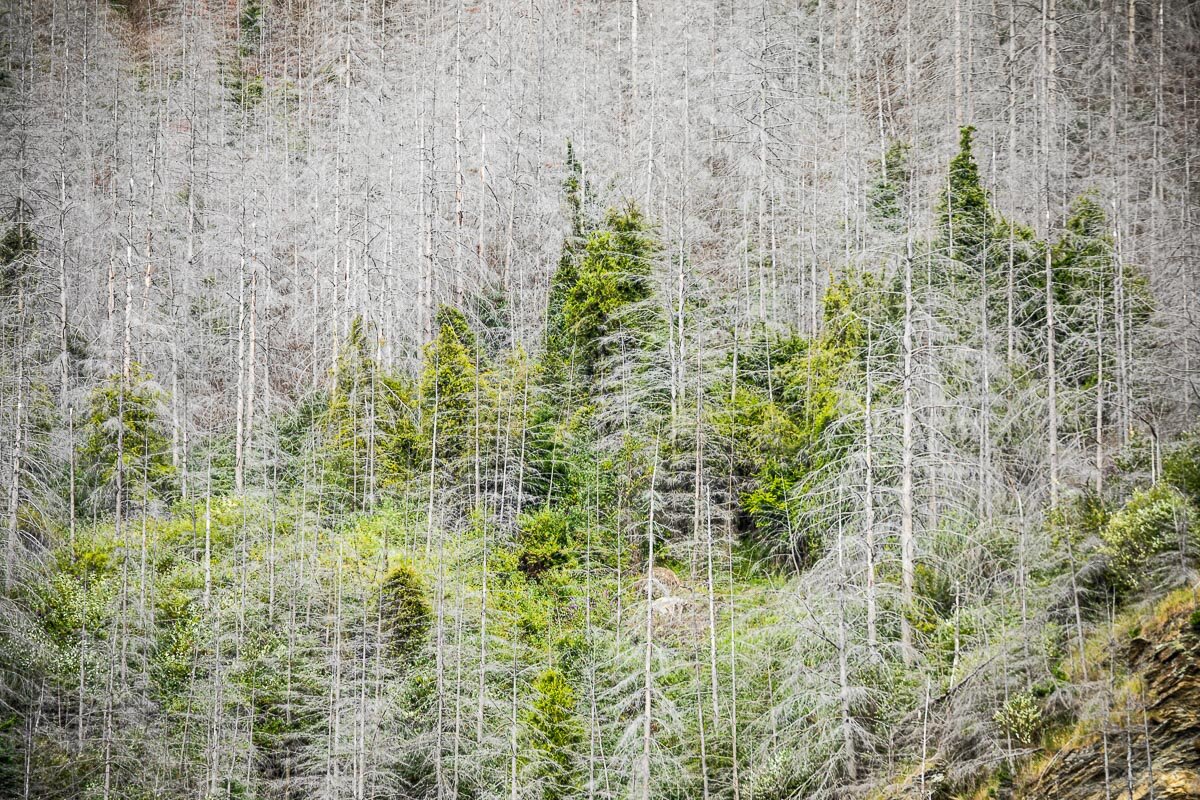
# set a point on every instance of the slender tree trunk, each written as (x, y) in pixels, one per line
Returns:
(869, 504)
(907, 539)
(16, 463)
(239, 462)
(251, 369)
(648, 686)
(458, 169)
(63, 306)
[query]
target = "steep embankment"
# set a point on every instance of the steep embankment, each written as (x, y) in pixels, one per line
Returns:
(1106, 756)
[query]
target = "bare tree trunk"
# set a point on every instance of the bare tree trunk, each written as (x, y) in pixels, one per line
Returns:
(18, 458)
(127, 338)
(1099, 434)
(239, 462)
(251, 369)
(958, 57)
(458, 169)
(907, 540)
(712, 612)
(648, 686)
(63, 306)
(1048, 87)
(869, 505)
(847, 721)
(18, 451)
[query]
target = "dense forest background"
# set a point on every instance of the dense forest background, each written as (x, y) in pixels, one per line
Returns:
(580, 399)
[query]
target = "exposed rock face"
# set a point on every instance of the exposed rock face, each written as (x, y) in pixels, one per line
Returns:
(664, 583)
(1167, 662)
(678, 609)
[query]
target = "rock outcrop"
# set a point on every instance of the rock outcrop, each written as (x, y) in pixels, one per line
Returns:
(1149, 745)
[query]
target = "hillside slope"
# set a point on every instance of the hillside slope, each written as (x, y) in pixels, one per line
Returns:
(594, 399)
(1148, 744)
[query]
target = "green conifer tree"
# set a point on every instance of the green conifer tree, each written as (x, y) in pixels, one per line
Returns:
(553, 734)
(18, 245)
(889, 193)
(407, 616)
(448, 386)
(125, 443)
(370, 432)
(614, 271)
(558, 337)
(964, 214)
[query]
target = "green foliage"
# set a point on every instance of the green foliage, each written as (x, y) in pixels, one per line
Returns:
(1083, 518)
(1181, 468)
(933, 598)
(964, 213)
(175, 649)
(243, 78)
(545, 541)
(247, 88)
(250, 25)
(792, 417)
(124, 437)
(1088, 513)
(17, 247)
(613, 272)
(1020, 717)
(1151, 522)
(782, 776)
(370, 437)
(70, 604)
(1083, 259)
(763, 431)
(575, 190)
(536, 590)
(1136, 456)
(406, 612)
(889, 194)
(11, 748)
(557, 448)
(491, 309)
(770, 507)
(553, 734)
(271, 692)
(1089, 222)
(782, 418)
(448, 389)
(294, 429)
(851, 301)
(1085, 270)
(559, 342)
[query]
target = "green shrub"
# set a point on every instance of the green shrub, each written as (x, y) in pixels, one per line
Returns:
(888, 195)
(965, 215)
(553, 734)
(545, 541)
(450, 385)
(783, 774)
(613, 271)
(406, 612)
(368, 425)
(1148, 524)
(1021, 718)
(11, 751)
(933, 596)
(1181, 468)
(1085, 515)
(18, 241)
(125, 436)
